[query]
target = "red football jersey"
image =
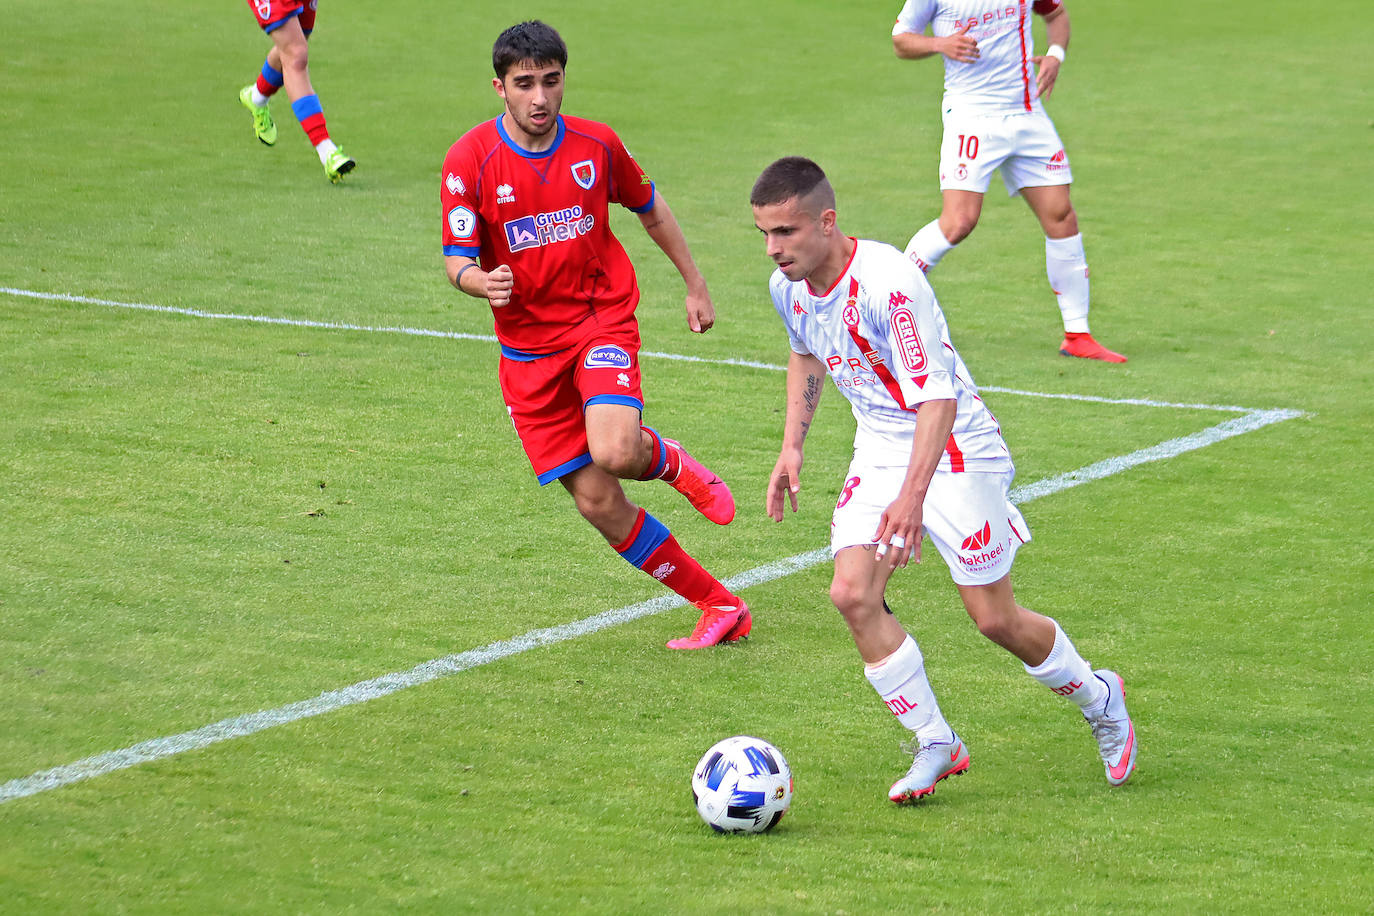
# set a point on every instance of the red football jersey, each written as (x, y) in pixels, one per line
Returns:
(546, 216)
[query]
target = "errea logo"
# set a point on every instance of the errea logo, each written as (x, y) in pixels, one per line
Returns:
(454, 184)
(505, 194)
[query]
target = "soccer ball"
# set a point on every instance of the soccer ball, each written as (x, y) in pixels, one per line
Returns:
(742, 785)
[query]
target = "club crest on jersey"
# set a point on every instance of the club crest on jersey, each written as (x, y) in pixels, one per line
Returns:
(454, 184)
(607, 356)
(908, 340)
(584, 173)
(851, 313)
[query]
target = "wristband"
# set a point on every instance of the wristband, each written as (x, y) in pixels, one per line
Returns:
(1055, 51)
(458, 280)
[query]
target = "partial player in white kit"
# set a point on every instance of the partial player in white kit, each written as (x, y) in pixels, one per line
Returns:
(929, 458)
(993, 121)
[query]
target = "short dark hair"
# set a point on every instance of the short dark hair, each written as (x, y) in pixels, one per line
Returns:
(789, 177)
(532, 41)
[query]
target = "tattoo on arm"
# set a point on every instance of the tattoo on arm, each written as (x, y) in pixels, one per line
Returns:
(651, 226)
(811, 396)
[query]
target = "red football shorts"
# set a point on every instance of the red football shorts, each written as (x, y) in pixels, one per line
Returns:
(546, 397)
(272, 14)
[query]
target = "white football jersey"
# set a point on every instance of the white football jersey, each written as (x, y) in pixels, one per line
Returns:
(1003, 76)
(884, 342)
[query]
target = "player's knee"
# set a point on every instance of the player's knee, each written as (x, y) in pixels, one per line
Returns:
(295, 57)
(996, 627)
(957, 226)
(620, 460)
(848, 597)
(597, 508)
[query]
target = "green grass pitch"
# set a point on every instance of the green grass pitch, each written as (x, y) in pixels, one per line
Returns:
(203, 518)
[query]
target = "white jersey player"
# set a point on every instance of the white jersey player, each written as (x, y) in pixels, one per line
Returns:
(928, 459)
(994, 121)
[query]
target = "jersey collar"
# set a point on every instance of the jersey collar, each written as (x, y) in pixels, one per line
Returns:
(517, 148)
(847, 264)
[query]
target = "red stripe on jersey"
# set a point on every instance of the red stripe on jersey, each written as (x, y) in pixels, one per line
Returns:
(956, 457)
(1025, 65)
(879, 369)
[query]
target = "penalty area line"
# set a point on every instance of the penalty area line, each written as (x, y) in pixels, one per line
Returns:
(373, 688)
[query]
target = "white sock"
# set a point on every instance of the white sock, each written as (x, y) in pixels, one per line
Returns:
(324, 148)
(928, 246)
(1067, 267)
(258, 98)
(1066, 673)
(900, 680)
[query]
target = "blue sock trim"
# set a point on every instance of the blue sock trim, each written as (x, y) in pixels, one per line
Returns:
(271, 74)
(653, 472)
(305, 106)
(651, 536)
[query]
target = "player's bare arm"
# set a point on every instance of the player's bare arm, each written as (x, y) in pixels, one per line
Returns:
(899, 529)
(960, 46)
(494, 286)
(1047, 65)
(805, 376)
(663, 228)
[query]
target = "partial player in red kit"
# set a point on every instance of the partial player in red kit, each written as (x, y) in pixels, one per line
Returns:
(526, 200)
(289, 24)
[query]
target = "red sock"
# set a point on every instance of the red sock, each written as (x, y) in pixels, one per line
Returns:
(664, 463)
(672, 566)
(315, 129)
(652, 548)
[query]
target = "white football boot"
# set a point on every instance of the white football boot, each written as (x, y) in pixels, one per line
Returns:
(933, 763)
(1113, 729)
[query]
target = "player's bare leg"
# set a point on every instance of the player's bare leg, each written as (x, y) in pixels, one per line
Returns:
(895, 667)
(1051, 658)
(1066, 266)
(293, 60)
(643, 541)
(959, 212)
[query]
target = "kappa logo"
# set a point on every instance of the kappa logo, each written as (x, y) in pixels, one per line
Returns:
(505, 194)
(455, 184)
(608, 356)
(908, 339)
(898, 298)
(797, 308)
(664, 571)
(584, 173)
(979, 539)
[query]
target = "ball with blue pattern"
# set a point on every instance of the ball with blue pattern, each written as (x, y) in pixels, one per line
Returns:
(742, 785)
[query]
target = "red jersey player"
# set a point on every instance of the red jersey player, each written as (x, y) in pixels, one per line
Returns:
(525, 200)
(289, 23)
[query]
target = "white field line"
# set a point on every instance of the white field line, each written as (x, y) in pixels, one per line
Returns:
(488, 338)
(361, 692)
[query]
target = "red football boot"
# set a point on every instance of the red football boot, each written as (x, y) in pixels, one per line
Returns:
(707, 493)
(1083, 346)
(718, 624)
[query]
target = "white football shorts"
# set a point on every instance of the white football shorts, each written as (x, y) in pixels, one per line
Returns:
(1023, 145)
(968, 517)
